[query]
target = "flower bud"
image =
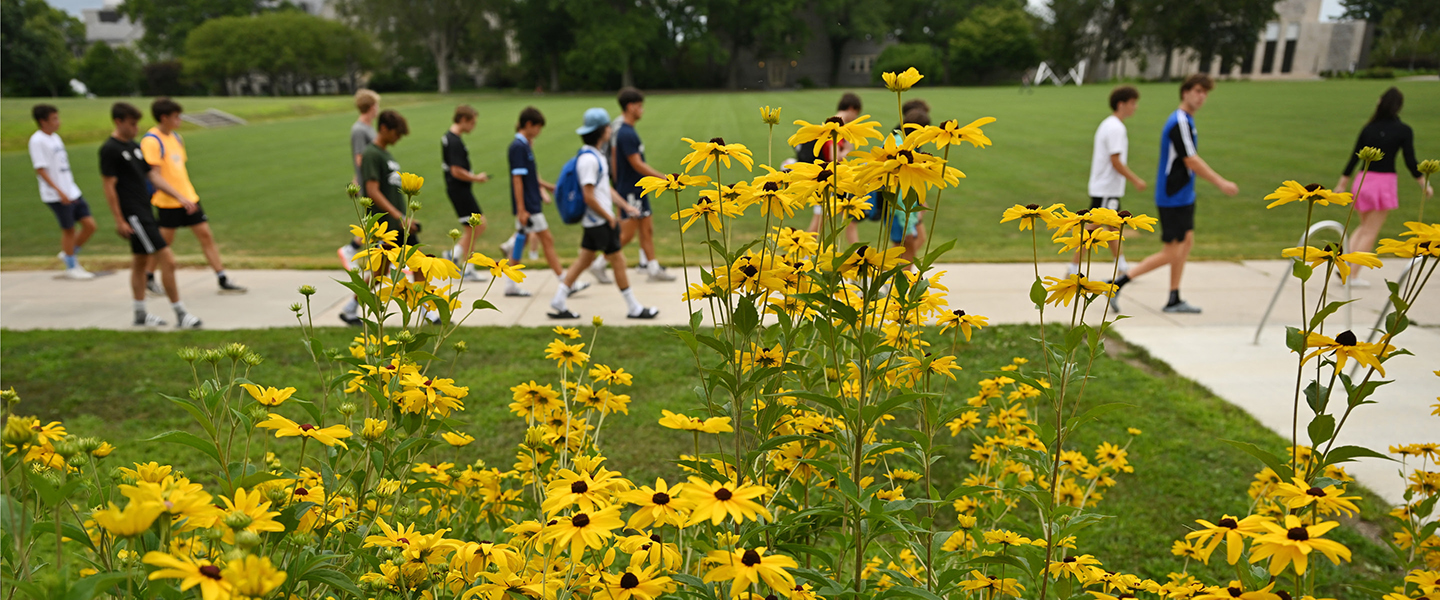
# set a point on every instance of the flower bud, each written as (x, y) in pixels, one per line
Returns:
(189, 355)
(411, 183)
(1370, 154)
(103, 450)
(277, 496)
(9, 397)
(307, 290)
(534, 437)
(374, 429)
(597, 321)
(296, 307)
(347, 408)
(211, 356)
(1429, 167)
(66, 448)
(246, 540)
(258, 412)
(461, 347)
(454, 235)
(404, 513)
(414, 206)
(352, 190)
(366, 203)
(88, 444)
(235, 350)
(475, 220)
(965, 521)
(405, 336)
(252, 359)
(238, 520)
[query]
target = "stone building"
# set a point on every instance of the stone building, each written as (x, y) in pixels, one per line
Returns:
(811, 65)
(106, 24)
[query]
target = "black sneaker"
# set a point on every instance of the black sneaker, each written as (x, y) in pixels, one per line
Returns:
(229, 287)
(351, 320)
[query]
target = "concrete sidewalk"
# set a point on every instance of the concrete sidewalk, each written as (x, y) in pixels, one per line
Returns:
(1213, 348)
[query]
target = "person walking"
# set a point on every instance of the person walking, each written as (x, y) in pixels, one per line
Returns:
(1109, 167)
(362, 134)
(58, 190)
(455, 163)
(602, 227)
(165, 151)
(1379, 194)
(380, 177)
(127, 177)
(1180, 163)
(630, 167)
(527, 199)
(847, 110)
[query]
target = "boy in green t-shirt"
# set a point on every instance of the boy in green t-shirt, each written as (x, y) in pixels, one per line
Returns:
(380, 182)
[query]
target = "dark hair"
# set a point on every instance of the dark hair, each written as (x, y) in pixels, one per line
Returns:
(910, 105)
(392, 120)
(917, 116)
(1196, 80)
(1121, 95)
(528, 116)
(124, 111)
(42, 112)
(465, 112)
(593, 137)
(1389, 107)
(629, 96)
(162, 107)
(849, 101)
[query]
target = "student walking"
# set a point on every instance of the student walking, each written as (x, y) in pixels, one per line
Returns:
(1180, 163)
(58, 190)
(1380, 193)
(527, 199)
(380, 177)
(602, 227)
(1109, 167)
(126, 177)
(630, 167)
(847, 110)
(362, 134)
(165, 151)
(906, 228)
(455, 162)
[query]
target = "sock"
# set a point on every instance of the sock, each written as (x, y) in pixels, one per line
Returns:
(653, 267)
(220, 275)
(1120, 283)
(76, 252)
(351, 308)
(1174, 298)
(1124, 265)
(149, 276)
(635, 307)
(140, 307)
(458, 252)
(562, 292)
(354, 243)
(179, 308)
(510, 284)
(70, 261)
(643, 262)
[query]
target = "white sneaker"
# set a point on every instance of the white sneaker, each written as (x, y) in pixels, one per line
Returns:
(1071, 269)
(598, 270)
(1358, 282)
(188, 321)
(474, 276)
(661, 275)
(508, 246)
(78, 273)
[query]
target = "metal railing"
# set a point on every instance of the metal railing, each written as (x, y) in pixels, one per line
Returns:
(1336, 227)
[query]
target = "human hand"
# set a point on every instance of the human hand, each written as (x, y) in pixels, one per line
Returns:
(1228, 187)
(190, 207)
(482, 177)
(545, 195)
(1140, 185)
(64, 200)
(523, 217)
(124, 229)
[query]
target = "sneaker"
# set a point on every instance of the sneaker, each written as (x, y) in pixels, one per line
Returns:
(1358, 282)
(661, 275)
(152, 286)
(598, 271)
(649, 312)
(1071, 269)
(517, 292)
(148, 320)
(1183, 307)
(78, 273)
(507, 246)
(351, 320)
(229, 287)
(347, 257)
(578, 287)
(188, 321)
(432, 316)
(474, 276)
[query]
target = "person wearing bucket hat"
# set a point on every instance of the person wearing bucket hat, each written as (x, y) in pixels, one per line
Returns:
(602, 227)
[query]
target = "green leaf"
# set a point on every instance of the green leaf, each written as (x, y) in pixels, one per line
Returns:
(250, 481)
(1301, 271)
(1294, 339)
(746, 317)
(1326, 312)
(1346, 454)
(90, 587)
(1321, 428)
(1317, 397)
(1037, 292)
(334, 579)
(195, 412)
(189, 439)
(1270, 460)
(482, 304)
(1095, 413)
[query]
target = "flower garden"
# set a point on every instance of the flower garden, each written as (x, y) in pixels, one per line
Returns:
(826, 404)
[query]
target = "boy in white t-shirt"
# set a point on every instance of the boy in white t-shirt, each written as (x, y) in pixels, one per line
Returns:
(602, 227)
(1108, 167)
(58, 189)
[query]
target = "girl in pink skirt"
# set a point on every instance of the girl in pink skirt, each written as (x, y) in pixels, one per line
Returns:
(1379, 193)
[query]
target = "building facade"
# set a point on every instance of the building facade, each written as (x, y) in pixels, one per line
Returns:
(107, 25)
(811, 66)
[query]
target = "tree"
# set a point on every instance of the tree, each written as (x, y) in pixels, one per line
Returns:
(993, 39)
(445, 28)
(612, 35)
(168, 23)
(109, 71)
(848, 20)
(545, 33)
(768, 27)
(898, 57)
(1074, 30)
(289, 48)
(37, 48)
(1403, 41)
(1224, 28)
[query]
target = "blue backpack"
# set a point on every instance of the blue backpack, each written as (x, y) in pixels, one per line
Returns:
(569, 194)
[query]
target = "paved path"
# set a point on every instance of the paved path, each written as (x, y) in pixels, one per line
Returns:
(1213, 348)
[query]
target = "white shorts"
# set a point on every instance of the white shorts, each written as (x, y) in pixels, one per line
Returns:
(537, 224)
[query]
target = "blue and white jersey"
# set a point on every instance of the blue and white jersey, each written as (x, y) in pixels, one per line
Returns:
(1177, 141)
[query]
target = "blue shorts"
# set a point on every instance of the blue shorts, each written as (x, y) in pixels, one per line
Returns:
(903, 225)
(68, 214)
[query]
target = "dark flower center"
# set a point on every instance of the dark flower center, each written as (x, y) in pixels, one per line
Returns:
(772, 597)
(1069, 559)
(959, 313)
(1284, 595)
(835, 120)
(674, 175)
(403, 540)
(629, 581)
(301, 492)
(1228, 523)
(654, 537)
(1312, 187)
(1082, 212)
(580, 520)
(717, 140)
(750, 558)
(824, 175)
(579, 487)
(723, 494)
(1031, 206)
(907, 155)
(211, 571)
(771, 186)
(660, 498)
(1234, 592)
(306, 427)
(749, 270)
(1346, 338)
(1315, 491)
(1298, 534)
(1125, 214)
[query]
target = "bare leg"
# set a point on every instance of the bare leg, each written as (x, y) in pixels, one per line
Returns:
(138, 262)
(852, 233)
(87, 229)
(207, 245)
(1154, 261)
(67, 241)
(815, 223)
(547, 242)
(1179, 254)
(166, 260)
(1363, 240)
(628, 229)
(647, 237)
(581, 263)
(169, 234)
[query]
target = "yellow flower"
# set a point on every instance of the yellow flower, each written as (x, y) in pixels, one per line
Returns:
(673, 182)
(134, 520)
(255, 508)
(1346, 346)
(500, 268)
(1292, 191)
(686, 423)
(708, 208)
(103, 450)
(1062, 291)
(745, 568)
(1427, 167)
(1370, 154)
(951, 133)
(411, 183)
(1005, 537)
(253, 576)
(330, 436)
(769, 116)
(1294, 542)
(569, 332)
(714, 500)
(979, 581)
(966, 323)
(903, 81)
(566, 355)
(582, 530)
(661, 504)
(1342, 262)
(1027, 213)
(716, 150)
(268, 396)
(374, 428)
(152, 472)
(1228, 529)
(1329, 499)
(635, 583)
(191, 573)
(457, 439)
(857, 132)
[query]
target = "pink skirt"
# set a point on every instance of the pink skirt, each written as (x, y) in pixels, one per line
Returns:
(1378, 193)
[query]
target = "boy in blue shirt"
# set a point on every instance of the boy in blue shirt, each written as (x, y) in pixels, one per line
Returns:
(1175, 193)
(528, 193)
(630, 167)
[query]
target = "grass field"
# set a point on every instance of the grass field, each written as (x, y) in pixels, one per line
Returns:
(273, 188)
(1183, 469)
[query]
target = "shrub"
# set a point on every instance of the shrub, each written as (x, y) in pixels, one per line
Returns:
(109, 71)
(899, 57)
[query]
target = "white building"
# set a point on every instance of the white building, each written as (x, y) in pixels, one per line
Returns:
(108, 25)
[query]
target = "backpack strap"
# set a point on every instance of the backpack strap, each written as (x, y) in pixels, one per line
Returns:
(158, 141)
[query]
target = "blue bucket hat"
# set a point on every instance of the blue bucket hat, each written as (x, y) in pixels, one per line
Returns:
(595, 118)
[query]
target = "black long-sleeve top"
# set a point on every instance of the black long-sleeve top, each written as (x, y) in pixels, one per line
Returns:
(1391, 137)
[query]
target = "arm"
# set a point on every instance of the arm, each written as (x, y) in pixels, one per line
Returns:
(545, 186)
(1350, 164)
(517, 194)
(589, 192)
(44, 174)
(620, 202)
(1198, 165)
(1124, 170)
(641, 167)
(463, 175)
(1407, 147)
(113, 199)
(164, 186)
(372, 189)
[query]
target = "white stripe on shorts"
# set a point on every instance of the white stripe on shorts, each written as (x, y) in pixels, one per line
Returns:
(140, 233)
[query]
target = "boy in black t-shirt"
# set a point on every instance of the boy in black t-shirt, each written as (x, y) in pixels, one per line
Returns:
(455, 160)
(124, 175)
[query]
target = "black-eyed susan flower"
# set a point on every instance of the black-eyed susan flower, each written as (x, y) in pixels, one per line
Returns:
(1346, 346)
(252, 576)
(770, 116)
(134, 520)
(716, 150)
(566, 355)
(992, 585)
(1292, 191)
(1028, 213)
(411, 183)
(283, 427)
(714, 500)
(583, 530)
(966, 322)
(589, 492)
(674, 182)
(268, 396)
(711, 207)
(902, 81)
(744, 568)
(1292, 543)
(1005, 537)
(457, 439)
(1080, 567)
(103, 450)
(499, 268)
(1062, 291)
(1236, 591)
(634, 583)
(256, 509)
(1329, 499)
(1231, 530)
(192, 573)
(1330, 254)
(951, 133)
(672, 420)
(662, 504)
(857, 132)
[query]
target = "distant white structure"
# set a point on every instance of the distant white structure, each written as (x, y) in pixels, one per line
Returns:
(108, 25)
(1076, 75)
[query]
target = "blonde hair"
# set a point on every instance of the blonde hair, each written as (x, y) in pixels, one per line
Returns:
(366, 100)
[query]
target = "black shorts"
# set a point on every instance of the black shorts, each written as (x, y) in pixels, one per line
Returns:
(394, 224)
(1112, 203)
(145, 236)
(1175, 222)
(463, 199)
(601, 238)
(640, 202)
(68, 214)
(175, 218)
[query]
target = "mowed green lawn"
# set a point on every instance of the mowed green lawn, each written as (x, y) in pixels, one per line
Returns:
(274, 188)
(1183, 469)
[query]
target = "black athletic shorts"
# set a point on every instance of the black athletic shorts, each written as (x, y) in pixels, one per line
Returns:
(175, 218)
(1175, 222)
(394, 224)
(1112, 203)
(601, 238)
(463, 199)
(145, 236)
(68, 214)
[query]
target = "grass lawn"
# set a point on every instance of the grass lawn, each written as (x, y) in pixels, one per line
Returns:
(108, 384)
(273, 189)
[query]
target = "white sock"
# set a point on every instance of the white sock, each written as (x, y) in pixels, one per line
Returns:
(179, 308)
(653, 266)
(635, 307)
(1071, 269)
(510, 284)
(1124, 266)
(562, 292)
(642, 262)
(459, 252)
(140, 306)
(351, 308)
(220, 274)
